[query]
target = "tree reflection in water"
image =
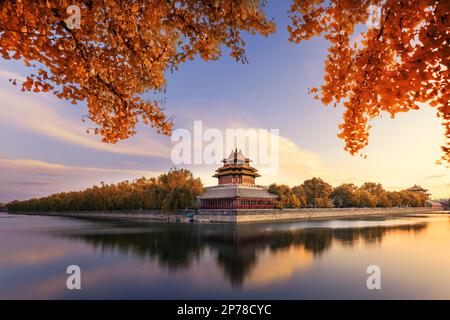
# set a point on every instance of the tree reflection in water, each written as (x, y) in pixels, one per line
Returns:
(236, 247)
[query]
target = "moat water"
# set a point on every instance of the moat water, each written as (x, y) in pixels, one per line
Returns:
(288, 260)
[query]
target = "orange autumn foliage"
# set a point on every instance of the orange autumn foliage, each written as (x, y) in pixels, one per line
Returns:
(124, 49)
(399, 63)
(121, 50)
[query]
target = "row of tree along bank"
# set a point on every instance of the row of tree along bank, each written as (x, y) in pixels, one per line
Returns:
(174, 190)
(316, 193)
(178, 189)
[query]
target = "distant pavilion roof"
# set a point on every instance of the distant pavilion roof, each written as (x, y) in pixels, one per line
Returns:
(417, 188)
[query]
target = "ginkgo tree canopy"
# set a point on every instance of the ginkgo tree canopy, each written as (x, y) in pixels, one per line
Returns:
(401, 61)
(121, 50)
(125, 48)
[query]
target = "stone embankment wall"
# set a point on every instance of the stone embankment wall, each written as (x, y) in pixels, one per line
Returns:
(235, 215)
(251, 215)
(171, 216)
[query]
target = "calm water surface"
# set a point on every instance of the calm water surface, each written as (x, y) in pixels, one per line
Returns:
(292, 260)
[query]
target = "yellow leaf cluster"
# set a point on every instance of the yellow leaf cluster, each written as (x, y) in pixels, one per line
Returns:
(402, 62)
(122, 50)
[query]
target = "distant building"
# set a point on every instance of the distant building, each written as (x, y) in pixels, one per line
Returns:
(446, 204)
(419, 189)
(236, 188)
(436, 204)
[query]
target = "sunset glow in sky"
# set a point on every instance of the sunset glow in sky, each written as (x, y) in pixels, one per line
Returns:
(45, 148)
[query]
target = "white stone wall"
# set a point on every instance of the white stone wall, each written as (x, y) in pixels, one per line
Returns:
(236, 215)
(253, 215)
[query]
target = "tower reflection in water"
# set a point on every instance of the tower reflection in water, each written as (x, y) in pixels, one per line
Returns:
(239, 250)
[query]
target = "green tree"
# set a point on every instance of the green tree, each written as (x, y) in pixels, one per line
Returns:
(177, 189)
(317, 193)
(413, 199)
(377, 190)
(395, 198)
(364, 199)
(344, 195)
(286, 197)
(300, 193)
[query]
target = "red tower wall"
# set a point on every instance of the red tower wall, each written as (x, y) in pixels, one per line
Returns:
(248, 203)
(237, 179)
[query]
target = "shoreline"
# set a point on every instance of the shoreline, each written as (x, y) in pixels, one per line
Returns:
(302, 214)
(236, 215)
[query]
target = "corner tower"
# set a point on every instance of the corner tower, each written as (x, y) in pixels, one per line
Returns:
(236, 188)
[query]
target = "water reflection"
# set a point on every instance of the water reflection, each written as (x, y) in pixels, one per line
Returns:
(237, 250)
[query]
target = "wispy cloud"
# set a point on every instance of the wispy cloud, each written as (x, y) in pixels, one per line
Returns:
(25, 178)
(437, 176)
(38, 113)
(290, 165)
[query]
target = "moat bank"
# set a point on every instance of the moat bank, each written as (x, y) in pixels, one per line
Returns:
(260, 215)
(237, 215)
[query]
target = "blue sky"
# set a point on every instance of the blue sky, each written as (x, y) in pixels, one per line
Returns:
(45, 149)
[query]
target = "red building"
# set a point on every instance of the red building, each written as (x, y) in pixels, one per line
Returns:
(236, 188)
(435, 204)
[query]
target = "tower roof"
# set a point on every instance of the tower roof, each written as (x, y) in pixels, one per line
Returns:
(236, 164)
(236, 157)
(417, 188)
